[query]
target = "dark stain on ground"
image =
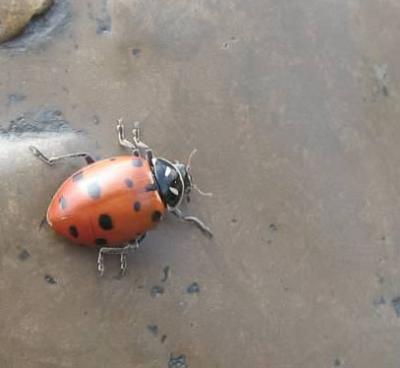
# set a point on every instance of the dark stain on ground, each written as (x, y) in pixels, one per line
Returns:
(379, 301)
(337, 363)
(178, 362)
(104, 20)
(15, 98)
(153, 329)
(396, 305)
(42, 121)
(156, 291)
(43, 223)
(50, 279)
(273, 227)
(42, 28)
(23, 255)
(193, 288)
(166, 272)
(163, 338)
(385, 91)
(136, 52)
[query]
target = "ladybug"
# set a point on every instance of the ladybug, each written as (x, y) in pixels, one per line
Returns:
(111, 204)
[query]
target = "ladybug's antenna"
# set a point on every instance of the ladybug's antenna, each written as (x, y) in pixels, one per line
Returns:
(189, 160)
(194, 186)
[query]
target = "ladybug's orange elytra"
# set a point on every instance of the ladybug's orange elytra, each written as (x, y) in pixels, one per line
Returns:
(108, 203)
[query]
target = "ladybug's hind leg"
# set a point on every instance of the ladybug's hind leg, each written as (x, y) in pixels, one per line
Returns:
(52, 160)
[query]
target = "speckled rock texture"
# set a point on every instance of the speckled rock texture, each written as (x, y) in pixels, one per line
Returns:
(16, 14)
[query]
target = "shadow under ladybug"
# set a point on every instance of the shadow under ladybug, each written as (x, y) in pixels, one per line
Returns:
(111, 204)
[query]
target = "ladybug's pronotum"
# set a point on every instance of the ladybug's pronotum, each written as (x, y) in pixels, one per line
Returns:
(112, 203)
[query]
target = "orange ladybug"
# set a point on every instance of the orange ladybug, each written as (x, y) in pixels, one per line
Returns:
(112, 203)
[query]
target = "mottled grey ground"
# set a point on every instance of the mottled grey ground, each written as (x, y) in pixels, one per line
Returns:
(294, 108)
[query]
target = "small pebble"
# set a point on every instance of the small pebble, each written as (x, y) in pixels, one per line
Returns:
(178, 362)
(156, 291)
(193, 288)
(50, 280)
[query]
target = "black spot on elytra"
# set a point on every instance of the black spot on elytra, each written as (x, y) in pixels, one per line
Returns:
(193, 288)
(137, 162)
(94, 190)
(105, 222)
(101, 241)
(151, 187)
(128, 183)
(178, 362)
(156, 216)
(63, 202)
(23, 255)
(153, 329)
(73, 231)
(137, 206)
(50, 279)
(78, 176)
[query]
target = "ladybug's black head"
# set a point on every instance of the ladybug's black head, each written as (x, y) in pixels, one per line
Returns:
(173, 180)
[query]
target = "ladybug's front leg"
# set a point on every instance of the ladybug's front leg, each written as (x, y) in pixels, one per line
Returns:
(194, 220)
(121, 136)
(137, 145)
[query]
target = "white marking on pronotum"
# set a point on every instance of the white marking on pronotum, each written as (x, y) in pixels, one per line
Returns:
(167, 171)
(174, 190)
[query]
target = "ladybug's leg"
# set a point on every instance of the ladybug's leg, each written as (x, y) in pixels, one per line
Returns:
(194, 220)
(51, 160)
(121, 136)
(123, 252)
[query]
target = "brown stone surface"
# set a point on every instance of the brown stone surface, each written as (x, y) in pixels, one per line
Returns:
(294, 108)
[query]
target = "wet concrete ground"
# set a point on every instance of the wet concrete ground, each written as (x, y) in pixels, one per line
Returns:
(294, 107)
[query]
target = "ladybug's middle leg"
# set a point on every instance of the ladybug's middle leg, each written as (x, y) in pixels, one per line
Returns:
(123, 252)
(52, 160)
